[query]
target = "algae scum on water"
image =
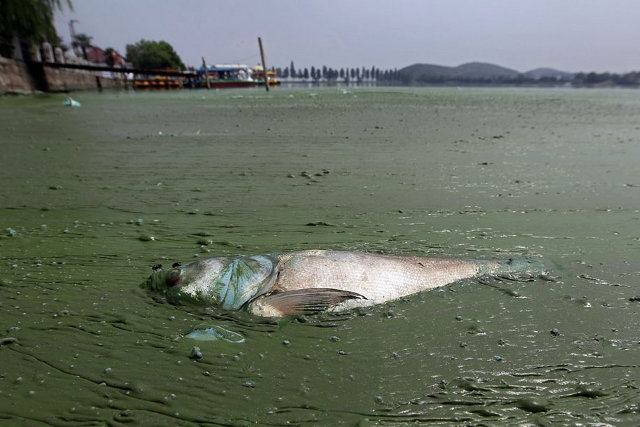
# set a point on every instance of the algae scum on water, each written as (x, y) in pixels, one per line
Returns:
(94, 196)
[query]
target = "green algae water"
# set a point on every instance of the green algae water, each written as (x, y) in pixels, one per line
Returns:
(92, 197)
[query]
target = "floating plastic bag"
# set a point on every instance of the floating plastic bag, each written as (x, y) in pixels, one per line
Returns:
(70, 102)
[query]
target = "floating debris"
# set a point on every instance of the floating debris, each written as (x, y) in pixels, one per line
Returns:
(532, 405)
(216, 333)
(70, 102)
(196, 354)
(319, 224)
(7, 341)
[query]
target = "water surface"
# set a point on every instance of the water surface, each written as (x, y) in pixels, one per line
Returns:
(93, 196)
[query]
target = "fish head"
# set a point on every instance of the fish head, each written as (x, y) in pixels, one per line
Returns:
(224, 282)
(193, 282)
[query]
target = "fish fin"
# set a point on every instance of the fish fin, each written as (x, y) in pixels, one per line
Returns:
(298, 302)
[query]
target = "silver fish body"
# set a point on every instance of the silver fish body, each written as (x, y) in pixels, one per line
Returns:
(277, 285)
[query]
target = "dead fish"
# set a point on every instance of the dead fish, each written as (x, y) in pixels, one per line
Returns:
(312, 281)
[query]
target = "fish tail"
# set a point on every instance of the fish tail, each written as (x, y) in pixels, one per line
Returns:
(512, 267)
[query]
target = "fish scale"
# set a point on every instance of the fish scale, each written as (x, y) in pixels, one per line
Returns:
(379, 278)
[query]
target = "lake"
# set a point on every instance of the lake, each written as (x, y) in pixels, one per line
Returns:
(94, 196)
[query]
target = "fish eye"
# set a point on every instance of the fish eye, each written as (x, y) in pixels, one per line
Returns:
(174, 278)
(156, 267)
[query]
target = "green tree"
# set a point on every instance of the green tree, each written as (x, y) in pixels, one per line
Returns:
(292, 70)
(29, 20)
(113, 57)
(153, 55)
(83, 42)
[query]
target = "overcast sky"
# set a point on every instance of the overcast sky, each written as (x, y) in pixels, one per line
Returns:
(570, 35)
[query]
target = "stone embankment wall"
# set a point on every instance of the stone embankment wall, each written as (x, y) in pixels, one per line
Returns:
(15, 77)
(21, 77)
(65, 80)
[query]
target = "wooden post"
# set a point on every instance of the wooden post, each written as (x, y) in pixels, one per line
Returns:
(206, 73)
(264, 65)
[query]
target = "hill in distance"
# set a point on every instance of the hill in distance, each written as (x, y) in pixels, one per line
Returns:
(474, 71)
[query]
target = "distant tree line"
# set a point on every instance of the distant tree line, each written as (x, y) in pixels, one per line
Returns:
(597, 79)
(497, 80)
(354, 74)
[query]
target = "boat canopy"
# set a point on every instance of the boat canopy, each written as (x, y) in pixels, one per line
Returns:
(218, 70)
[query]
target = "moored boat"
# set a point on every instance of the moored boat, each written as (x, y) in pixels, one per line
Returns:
(224, 76)
(258, 75)
(156, 82)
